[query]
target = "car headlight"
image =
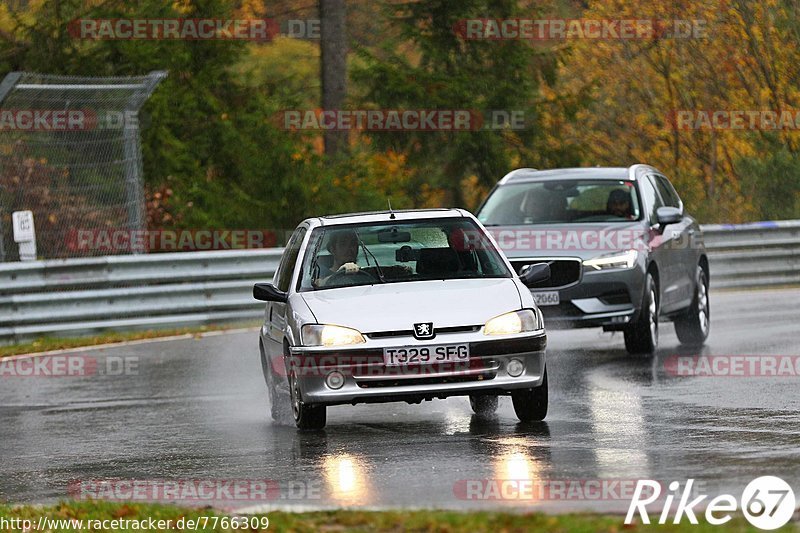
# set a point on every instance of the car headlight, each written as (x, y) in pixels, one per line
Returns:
(327, 335)
(510, 323)
(614, 260)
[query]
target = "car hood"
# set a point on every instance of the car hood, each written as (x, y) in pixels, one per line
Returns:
(570, 240)
(398, 306)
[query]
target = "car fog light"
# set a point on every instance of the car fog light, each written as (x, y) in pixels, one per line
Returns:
(335, 380)
(515, 368)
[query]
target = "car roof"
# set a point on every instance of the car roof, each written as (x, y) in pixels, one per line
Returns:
(524, 175)
(369, 217)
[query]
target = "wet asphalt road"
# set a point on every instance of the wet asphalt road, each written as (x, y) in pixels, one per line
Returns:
(197, 409)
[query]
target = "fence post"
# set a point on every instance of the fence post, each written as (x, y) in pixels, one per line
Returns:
(134, 186)
(6, 85)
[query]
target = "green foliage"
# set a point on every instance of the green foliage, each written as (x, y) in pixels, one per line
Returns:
(427, 65)
(772, 184)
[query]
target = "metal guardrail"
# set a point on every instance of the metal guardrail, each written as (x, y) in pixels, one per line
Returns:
(761, 254)
(78, 296)
(71, 297)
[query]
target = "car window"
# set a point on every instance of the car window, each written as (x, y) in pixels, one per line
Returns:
(652, 201)
(667, 192)
(289, 260)
(391, 252)
(564, 201)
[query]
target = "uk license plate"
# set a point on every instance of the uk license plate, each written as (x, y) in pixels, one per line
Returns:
(425, 355)
(546, 298)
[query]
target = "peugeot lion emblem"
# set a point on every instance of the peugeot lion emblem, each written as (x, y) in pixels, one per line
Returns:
(424, 330)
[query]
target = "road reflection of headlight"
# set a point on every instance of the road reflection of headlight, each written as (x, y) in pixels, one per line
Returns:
(517, 466)
(514, 462)
(516, 471)
(346, 478)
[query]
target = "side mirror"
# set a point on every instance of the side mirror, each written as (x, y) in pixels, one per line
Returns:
(266, 292)
(668, 215)
(533, 274)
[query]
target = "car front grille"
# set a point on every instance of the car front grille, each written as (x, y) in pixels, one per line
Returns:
(410, 333)
(477, 369)
(434, 380)
(563, 272)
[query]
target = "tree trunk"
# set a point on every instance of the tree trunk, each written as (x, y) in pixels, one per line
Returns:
(333, 47)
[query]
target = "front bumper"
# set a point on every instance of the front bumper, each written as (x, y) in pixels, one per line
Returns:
(367, 379)
(609, 299)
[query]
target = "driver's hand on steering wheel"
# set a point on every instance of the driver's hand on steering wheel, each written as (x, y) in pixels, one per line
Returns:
(349, 268)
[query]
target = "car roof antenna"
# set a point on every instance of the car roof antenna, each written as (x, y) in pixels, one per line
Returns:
(391, 212)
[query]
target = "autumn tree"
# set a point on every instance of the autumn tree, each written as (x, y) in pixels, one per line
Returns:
(426, 63)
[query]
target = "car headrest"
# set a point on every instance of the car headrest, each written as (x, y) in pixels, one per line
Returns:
(433, 261)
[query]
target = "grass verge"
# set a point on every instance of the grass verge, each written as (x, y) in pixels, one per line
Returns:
(339, 521)
(45, 344)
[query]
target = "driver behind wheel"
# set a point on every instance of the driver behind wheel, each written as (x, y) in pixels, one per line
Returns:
(619, 204)
(343, 246)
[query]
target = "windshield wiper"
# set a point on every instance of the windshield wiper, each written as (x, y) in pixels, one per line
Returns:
(367, 251)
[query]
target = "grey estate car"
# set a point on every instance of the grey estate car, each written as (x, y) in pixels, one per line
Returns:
(400, 306)
(621, 248)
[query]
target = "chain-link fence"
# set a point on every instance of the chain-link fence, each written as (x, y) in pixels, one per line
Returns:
(70, 153)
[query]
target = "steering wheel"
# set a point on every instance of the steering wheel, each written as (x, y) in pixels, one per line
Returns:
(355, 277)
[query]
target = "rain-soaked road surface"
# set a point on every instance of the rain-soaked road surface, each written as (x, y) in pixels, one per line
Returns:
(196, 409)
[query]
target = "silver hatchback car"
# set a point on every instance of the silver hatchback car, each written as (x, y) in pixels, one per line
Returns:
(400, 306)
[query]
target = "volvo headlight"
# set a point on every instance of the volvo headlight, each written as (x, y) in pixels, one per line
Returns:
(613, 260)
(510, 323)
(327, 335)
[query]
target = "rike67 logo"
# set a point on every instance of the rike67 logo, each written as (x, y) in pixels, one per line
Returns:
(767, 502)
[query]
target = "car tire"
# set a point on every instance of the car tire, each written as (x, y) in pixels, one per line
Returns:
(484, 405)
(530, 405)
(641, 337)
(692, 328)
(305, 416)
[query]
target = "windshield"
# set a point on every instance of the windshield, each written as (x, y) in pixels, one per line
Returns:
(558, 202)
(433, 249)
